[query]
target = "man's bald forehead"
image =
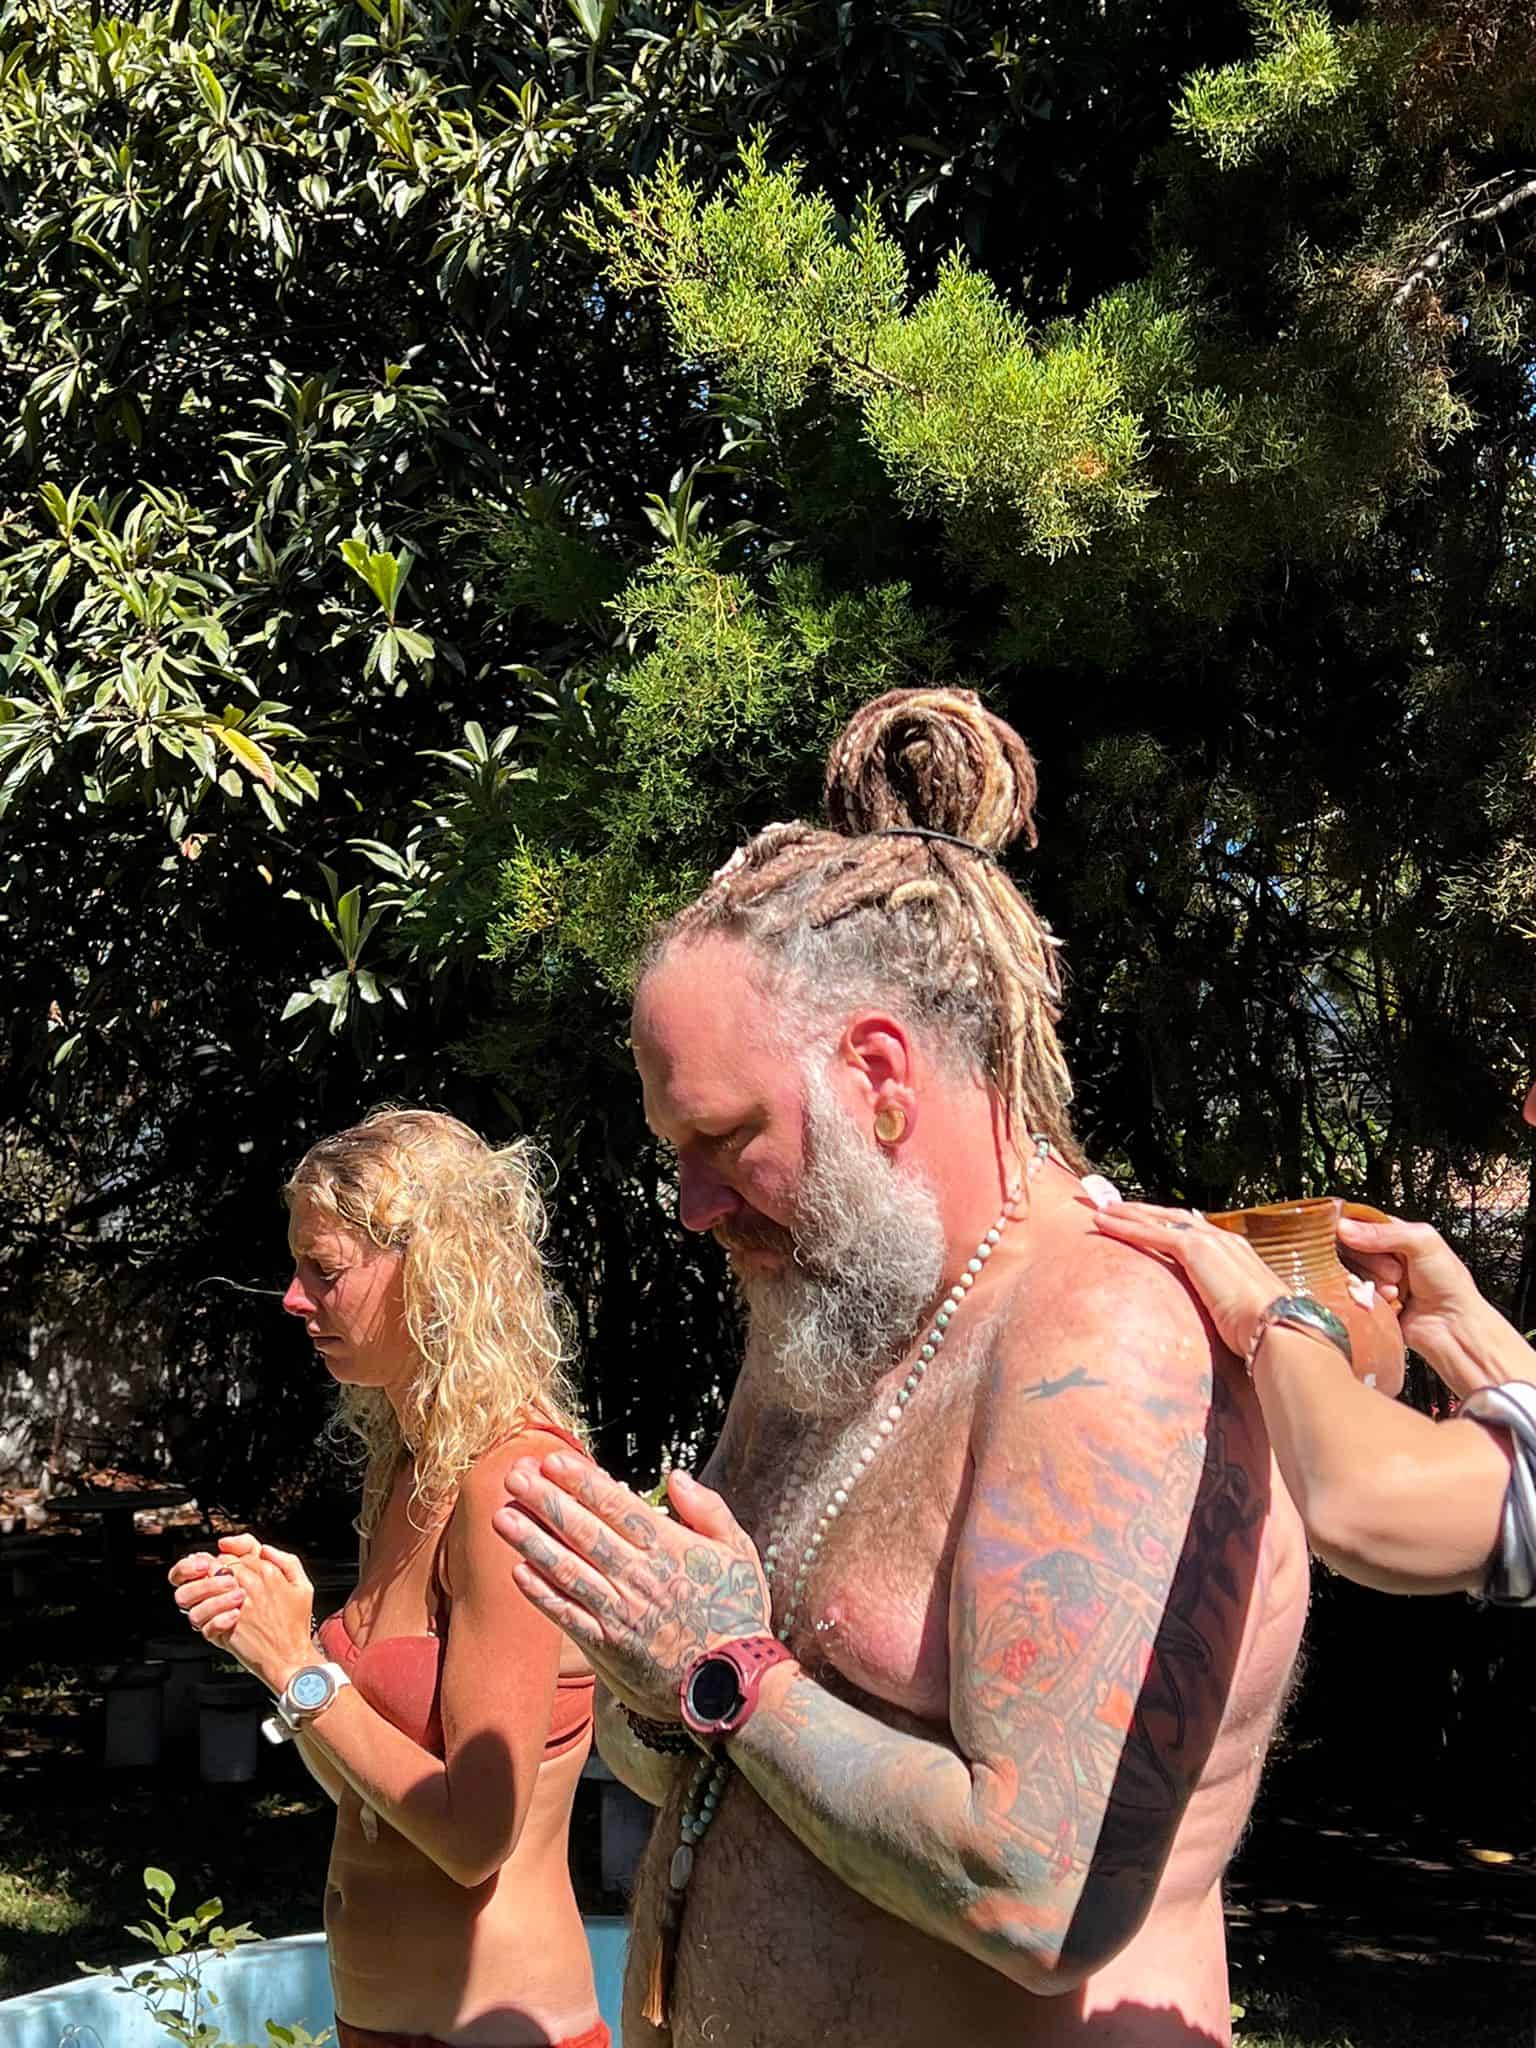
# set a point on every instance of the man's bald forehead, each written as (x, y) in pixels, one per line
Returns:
(714, 978)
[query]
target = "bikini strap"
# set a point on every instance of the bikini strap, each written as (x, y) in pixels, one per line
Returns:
(547, 1426)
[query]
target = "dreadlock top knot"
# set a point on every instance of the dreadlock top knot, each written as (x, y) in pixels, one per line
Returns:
(878, 910)
(937, 759)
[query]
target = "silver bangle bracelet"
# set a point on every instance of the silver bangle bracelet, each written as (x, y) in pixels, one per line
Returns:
(1305, 1314)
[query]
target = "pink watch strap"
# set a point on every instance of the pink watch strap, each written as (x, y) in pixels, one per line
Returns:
(752, 1658)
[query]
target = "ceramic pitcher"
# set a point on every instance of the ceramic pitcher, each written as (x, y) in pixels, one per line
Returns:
(1299, 1243)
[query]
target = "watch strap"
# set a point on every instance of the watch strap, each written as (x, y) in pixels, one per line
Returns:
(296, 1715)
(751, 1658)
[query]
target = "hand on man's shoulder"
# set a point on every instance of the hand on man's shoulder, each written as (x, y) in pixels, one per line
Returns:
(1092, 1313)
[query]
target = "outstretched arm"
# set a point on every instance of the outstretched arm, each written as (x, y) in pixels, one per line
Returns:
(1389, 1498)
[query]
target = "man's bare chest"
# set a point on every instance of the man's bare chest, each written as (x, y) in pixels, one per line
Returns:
(871, 1599)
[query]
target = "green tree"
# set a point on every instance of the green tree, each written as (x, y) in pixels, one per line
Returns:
(463, 463)
(1242, 535)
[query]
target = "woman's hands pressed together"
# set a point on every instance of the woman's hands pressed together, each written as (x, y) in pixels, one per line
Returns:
(253, 1600)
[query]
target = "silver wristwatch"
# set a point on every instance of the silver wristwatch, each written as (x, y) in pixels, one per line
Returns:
(309, 1692)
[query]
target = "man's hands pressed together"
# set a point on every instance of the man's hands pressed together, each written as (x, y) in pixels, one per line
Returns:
(642, 1594)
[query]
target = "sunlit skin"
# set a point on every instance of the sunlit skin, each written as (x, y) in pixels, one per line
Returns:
(448, 1908)
(969, 1787)
(721, 1093)
(349, 1294)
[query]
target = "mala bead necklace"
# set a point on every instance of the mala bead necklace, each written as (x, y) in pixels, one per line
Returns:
(710, 1779)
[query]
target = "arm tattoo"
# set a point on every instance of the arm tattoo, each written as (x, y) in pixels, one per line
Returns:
(1097, 1612)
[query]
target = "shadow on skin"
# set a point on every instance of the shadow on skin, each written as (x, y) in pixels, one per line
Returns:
(387, 1574)
(499, 2026)
(1183, 1698)
(1147, 2026)
(409, 1922)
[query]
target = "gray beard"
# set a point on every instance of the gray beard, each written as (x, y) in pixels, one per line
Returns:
(868, 1259)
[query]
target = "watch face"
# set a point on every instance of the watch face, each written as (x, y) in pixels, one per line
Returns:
(715, 1691)
(310, 1689)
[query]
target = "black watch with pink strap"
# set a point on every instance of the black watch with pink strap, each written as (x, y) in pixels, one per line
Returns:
(718, 1695)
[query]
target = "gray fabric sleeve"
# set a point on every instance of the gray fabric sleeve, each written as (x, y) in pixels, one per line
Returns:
(1512, 1573)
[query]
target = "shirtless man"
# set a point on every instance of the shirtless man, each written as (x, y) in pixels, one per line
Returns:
(991, 1480)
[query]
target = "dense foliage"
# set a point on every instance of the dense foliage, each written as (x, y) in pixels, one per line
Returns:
(463, 462)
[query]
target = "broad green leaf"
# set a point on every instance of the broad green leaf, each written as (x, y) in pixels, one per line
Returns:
(247, 753)
(417, 645)
(211, 91)
(348, 912)
(595, 16)
(384, 573)
(383, 655)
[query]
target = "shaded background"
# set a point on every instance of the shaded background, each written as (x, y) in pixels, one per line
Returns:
(398, 609)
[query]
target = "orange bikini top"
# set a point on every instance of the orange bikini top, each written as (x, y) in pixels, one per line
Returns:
(401, 1677)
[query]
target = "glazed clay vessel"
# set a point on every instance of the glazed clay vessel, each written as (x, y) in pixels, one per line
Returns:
(1298, 1241)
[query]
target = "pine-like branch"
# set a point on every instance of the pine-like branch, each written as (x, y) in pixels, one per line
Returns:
(1488, 203)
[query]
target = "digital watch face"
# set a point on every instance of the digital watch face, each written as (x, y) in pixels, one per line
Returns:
(310, 1689)
(715, 1692)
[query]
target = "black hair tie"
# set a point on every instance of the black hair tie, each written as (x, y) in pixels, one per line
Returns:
(926, 832)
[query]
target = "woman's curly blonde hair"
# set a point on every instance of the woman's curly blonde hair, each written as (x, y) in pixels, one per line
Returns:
(467, 1221)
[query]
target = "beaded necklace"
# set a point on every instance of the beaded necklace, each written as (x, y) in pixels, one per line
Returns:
(707, 1787)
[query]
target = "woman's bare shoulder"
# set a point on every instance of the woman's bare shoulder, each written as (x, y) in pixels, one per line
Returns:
(483, 1488)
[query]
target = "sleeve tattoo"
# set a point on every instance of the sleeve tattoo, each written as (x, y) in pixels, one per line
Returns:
(1098, 1604)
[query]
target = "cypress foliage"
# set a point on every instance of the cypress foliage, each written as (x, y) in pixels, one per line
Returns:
(464, 462)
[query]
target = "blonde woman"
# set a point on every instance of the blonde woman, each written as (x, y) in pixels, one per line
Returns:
(447, 1719)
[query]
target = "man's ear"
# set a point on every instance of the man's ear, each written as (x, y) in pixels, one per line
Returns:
(878, 1051)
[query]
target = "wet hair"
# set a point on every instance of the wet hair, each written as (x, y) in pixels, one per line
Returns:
(467, 1221)
(904, 902)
